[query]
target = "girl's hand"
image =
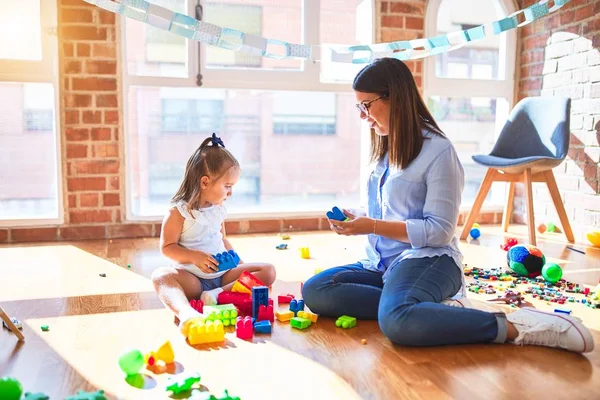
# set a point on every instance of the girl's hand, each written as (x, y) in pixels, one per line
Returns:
(356, 225)
(205, 262)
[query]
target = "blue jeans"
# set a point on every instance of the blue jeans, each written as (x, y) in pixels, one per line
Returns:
(408, 305)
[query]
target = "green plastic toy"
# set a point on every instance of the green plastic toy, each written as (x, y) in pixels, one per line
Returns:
(36, 396)
(182, 382)
(198, 395)
(226, 313)
(81, 395)
(345, 322)
(552, 272)
(10, 388)
(131, 361)
(300, 323)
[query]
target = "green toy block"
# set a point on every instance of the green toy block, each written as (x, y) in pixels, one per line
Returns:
(345, 322)
(226, 313)
(198, 395)
(36, 396)
(81, 395)
(182, 382)
(300, 323)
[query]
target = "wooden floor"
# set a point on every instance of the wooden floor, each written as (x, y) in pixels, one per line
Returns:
(92, 319)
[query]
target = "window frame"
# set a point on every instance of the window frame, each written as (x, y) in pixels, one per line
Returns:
(307, 78)
(469, 88)
(42, 71)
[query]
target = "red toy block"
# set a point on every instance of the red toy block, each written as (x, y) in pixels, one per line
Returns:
(246, 307)
(249, 281)
(285, 299)
(197, 305)
(265, 313)
(235, 298)
(244, 328)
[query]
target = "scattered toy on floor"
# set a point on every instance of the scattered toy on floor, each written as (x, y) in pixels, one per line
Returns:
(131, 361)
(45, 328)
(552, 272)
(304, 252)
(285, 236)
(81, 395)
(164, 354)
(198, 304)
(285, 299)
(36, 396)
(475, 231)
(182, 382)
(511, 242)
(103, 275)
(10, 388)
(345, 322)
(594, 238)
(526, 260)
(363, 341)
(282, 246)
(15, 322)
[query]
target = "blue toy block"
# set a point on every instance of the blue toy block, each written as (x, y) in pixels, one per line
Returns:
(296, 305)
(227, 260)
(336, 214)
(260, 296)
(262, 327)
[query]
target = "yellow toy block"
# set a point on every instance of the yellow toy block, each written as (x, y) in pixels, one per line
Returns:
(284, 316)
(304, 252)
(308, 315)
(206, 332)
(164, 353)
(238, 287)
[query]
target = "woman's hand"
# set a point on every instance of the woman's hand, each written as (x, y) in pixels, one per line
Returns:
(355, 226)
(205, 262)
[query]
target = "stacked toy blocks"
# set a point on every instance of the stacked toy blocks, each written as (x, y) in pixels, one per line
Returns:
(202, 331)
(226, 313)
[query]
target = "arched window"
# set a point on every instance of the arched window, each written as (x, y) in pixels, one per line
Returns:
(470, 90)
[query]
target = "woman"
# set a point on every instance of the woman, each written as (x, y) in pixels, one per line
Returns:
(413, 273)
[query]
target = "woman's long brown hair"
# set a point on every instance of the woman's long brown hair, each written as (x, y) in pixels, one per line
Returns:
(391, 79)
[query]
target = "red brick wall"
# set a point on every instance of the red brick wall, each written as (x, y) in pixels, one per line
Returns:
(561, 57)
(91, 128)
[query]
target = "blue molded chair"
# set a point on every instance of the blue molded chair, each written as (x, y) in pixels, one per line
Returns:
(534, 140)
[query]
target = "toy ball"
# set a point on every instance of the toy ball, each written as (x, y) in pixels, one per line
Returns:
(475, 233)
(594, 238)
(552, 272)
(542, 228)
(10, 388)
(526, 260)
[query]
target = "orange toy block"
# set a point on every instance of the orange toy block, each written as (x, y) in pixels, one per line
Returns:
(308, 315)
(284, 316)
(245, 283)
(206, 332)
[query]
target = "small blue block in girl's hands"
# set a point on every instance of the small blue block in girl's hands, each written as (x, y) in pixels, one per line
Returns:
(337, 215)
(227, 260)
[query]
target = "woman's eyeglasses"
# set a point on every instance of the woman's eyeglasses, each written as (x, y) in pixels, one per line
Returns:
(364, 107)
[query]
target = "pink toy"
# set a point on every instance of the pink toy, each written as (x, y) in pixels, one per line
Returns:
(244, 328)
(265, 313)
(197, 305)
(235, 298)
(285, 299)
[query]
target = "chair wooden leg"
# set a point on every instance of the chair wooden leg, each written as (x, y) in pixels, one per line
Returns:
(529, 199)
(508, 207)
(560, 208)
(481, 195)
(11, 326)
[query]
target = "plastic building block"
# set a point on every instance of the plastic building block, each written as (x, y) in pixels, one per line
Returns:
(36, 396)
(262, 327)
(182, 382)
(318, 270)
(198, 395)
(198, 305)
(562, 310)
(285, 236)
(284, 316)
(282, 246)
(234, 298)
(243, 328)
(285, 299)
(308, 315)
(345, 322)
(164, 353)
(296, 305)
(227, 260)
(300, 323)
(131, 361)
(81, 395)
(265, 313)
(304, 252)
(206, 332)
(260, 295)
(246, 282)
(45, 328)
(226, 313)
(15, 322)
(337, 215)
(10, 388)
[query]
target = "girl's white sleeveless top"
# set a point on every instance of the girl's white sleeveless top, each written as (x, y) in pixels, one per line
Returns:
(202, 231)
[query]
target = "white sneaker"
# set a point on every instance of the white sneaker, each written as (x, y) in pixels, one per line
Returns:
(553, 330)
(209, 297)
(462, 302)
